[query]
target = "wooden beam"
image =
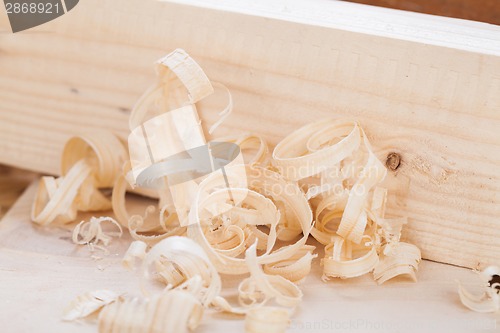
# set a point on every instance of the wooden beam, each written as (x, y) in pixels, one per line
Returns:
(425, 87)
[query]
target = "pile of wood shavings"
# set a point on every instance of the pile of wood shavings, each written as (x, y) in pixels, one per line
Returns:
(252, 216)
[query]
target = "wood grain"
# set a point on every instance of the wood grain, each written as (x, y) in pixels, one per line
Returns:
(425, 87)
(41, 272)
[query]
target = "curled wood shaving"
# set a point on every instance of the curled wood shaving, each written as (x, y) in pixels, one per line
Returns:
(136, 223)
(142, 228)
(295, 212)
(251, 143)
(300, 154)
(55, 199)
(136, 251)
(89, 162)
(88, 303)
(91, 233)
(180, 79)
(489, 300)
(267, 319)
(345, 259)
(187, 71)
(174, 261)
(389, 232)
(354, 219)
(102, 150)
(120, 210)
(212, 204)
(328, 214)
(170, 311)
(295, 268)
(212, 223)
(226, 112)
(260, 288)
(401, 260)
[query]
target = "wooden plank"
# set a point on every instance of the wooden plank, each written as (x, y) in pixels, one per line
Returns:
(40, 266)
(425, 87)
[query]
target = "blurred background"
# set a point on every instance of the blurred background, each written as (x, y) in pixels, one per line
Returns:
(478, 10)
(12, 184)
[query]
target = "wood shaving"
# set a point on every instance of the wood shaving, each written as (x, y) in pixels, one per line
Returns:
(170, 311)
(295, 268)
(136, 252)
(89, 162)
(401, 260)
(260, 288)
(267, 319)
(91, 232)
(89, 303)
(176, 260)
(489, 300)
(344, 259)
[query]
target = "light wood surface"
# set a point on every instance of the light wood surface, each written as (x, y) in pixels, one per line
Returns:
(425, 87)
(41, 271)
